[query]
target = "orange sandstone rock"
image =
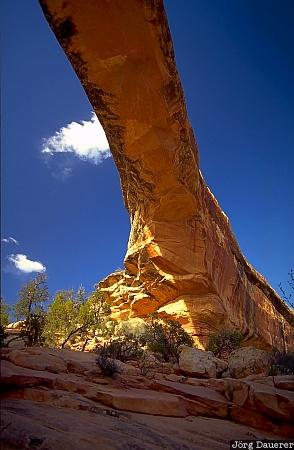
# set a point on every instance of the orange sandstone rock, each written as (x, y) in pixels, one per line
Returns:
(255, 402)
(182, 258)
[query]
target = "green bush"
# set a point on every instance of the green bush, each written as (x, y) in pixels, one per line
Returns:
(123, 349)
(133, 328)
(33, 327)
(223, 342)
(32, 297)
(281, 363)
(4, 313)
(3, 336)
(107, 366)
(165, 337)
(30, 309)
(75, 316)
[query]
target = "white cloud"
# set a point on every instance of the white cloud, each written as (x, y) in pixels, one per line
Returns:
(24, 264)
(10, 240)
(86, 140)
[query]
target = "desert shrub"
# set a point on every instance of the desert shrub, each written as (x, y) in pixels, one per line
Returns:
(107, 366)
(281, 363)
(288, 297)
(132, 328)
(123, 349)
(3, 335)
(165, 337)
(4, 321)
(33, 327)
(223, 342)
(108, 328)
(4, 313)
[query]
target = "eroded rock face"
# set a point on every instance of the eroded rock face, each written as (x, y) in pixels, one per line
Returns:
(182, 258)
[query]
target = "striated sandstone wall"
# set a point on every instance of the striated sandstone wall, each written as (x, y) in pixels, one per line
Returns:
(182, 258)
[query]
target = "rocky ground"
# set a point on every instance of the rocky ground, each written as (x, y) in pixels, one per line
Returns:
(55, 399)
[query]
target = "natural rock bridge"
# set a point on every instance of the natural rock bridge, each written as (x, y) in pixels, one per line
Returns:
(182, 259)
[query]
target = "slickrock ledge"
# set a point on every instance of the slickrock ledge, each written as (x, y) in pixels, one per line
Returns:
(54, 399)
(182, 258)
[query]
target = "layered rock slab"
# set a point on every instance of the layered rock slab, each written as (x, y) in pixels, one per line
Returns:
(30, 423)
(77, 408)
(182, 256)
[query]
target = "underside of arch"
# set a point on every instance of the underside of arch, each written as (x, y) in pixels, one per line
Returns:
(182, 258)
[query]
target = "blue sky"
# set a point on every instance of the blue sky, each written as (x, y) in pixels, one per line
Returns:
(236, 64)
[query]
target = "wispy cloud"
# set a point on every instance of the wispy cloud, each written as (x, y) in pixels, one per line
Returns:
(86, 140)
(60, 172)
(10, 240)
(22, 263)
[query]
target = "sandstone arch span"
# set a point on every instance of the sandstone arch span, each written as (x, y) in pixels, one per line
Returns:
(182, 258)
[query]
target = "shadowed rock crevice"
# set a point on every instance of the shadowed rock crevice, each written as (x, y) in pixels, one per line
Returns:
(182, 259)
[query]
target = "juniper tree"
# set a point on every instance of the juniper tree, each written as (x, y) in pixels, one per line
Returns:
(73, 315)
(31, 309)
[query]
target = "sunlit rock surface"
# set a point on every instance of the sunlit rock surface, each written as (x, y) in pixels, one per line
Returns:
(58, 399)
(182, 257)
